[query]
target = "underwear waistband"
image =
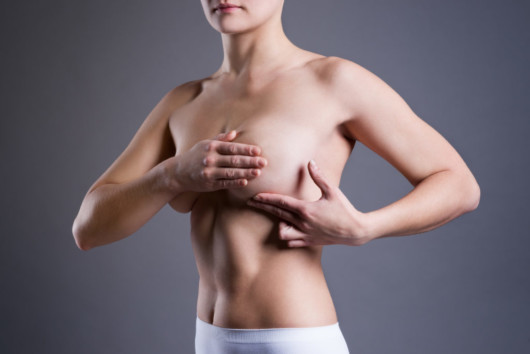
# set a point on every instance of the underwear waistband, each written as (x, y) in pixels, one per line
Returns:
(259, 335)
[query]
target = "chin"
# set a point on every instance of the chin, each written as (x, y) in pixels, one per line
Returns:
(229, 31)
(231, 28)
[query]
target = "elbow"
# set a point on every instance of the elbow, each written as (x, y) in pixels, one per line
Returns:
(80, 235)
(472, 193)
(476, 197)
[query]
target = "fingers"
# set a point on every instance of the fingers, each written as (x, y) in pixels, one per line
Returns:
(280, 213)
(281, 201)
(319, 178)
(293, 236)
(226, 136)
(297, 243)
(232, 167)
(238, 161)
(228, 148)
(229, 173)
(229, 183)
(229, 165)
(288, 232)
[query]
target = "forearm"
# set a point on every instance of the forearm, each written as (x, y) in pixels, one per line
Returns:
(112, 212)
(435, 201)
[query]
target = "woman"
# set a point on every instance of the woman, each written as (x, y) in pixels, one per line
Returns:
(255, 151)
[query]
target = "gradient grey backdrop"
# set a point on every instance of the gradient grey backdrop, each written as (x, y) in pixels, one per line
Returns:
(79, 77)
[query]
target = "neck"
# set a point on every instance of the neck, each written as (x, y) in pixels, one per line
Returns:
(257, 52)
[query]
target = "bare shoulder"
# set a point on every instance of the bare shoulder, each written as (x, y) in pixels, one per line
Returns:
(336, 71)
(183, 93)
(352, 85)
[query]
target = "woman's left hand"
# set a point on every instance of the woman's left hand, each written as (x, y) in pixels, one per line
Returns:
(330, 220)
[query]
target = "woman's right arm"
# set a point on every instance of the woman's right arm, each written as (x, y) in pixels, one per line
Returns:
(147, 175)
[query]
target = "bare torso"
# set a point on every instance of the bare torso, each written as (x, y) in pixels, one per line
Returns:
(296, 106)
(249, 278)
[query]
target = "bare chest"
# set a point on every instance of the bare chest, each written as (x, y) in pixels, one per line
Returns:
(293, 120)
(283, 109)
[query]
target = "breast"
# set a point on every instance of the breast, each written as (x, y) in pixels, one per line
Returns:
(287, 154)
(287, 125)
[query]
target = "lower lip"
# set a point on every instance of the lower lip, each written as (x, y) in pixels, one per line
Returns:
(228, 9)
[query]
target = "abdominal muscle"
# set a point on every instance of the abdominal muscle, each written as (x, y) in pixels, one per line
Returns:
(249, 278)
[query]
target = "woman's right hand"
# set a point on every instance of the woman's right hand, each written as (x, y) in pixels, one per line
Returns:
(215, 164)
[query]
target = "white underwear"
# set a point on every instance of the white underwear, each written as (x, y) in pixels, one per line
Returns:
(210, 339)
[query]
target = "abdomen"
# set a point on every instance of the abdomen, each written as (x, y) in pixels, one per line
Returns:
(249, 277)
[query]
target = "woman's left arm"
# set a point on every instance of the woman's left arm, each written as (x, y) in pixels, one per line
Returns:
(444, 187)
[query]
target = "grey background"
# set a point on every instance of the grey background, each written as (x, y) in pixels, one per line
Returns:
(79, 77)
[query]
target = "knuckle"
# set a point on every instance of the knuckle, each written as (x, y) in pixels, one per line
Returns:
(206, 174)
(304, 211)
(254, 150)
(209, 145)
(230, 173)
(234, 161)
(208, 161)
(233, 149)
(305, 225)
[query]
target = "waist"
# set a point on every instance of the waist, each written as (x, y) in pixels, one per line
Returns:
(259, 335)
(249, 277)
(276, 293)
(237, 246)
(272, 307)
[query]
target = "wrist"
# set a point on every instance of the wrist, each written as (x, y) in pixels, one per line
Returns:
(166, 179)
(363, 229)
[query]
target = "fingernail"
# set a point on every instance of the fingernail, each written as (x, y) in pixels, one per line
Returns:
(313, 163)
(256, 197)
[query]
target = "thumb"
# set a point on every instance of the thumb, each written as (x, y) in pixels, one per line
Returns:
(319, 178)
(226, 136)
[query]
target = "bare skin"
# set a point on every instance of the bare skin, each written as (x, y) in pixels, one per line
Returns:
(250, 130)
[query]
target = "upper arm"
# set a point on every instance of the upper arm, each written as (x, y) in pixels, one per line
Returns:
(151, 144)
(380, 118)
